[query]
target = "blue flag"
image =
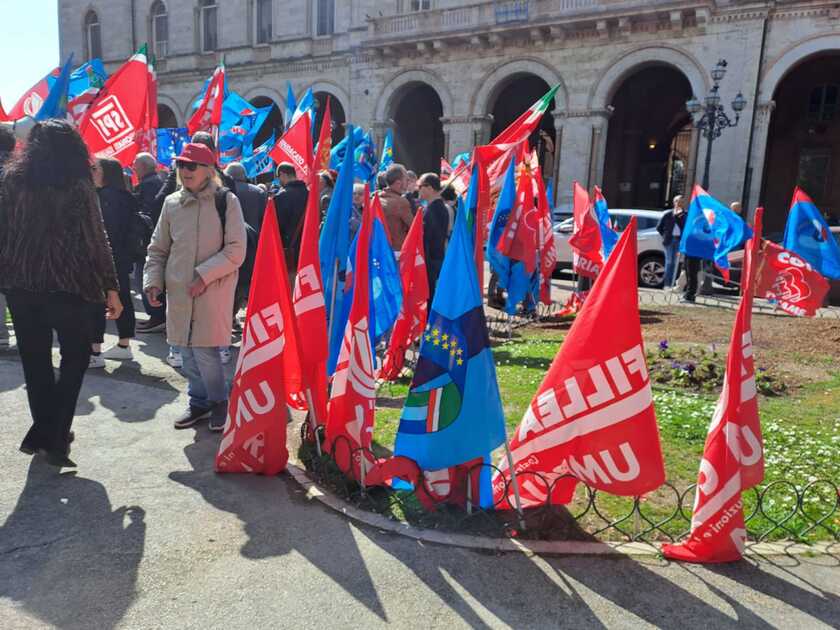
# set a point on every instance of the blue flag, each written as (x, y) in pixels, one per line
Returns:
(291, 106)
(337, 153)
(712, 230)
(259, 161)
(807, 234)
(55, 105)
(240, 124)
(609, 237)
(306, 104)
(459, 159)
(365, 154)
(453, 412)
(387, 151)
(89, 75)
(169, 144)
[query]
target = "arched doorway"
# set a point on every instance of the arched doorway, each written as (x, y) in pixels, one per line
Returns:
(803, 144)
(166, 117)
(272, 124)
(416, 110)
(514, 96)
(336, 113)
(648, 140)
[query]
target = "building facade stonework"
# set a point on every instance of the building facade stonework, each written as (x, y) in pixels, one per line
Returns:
(447, 75)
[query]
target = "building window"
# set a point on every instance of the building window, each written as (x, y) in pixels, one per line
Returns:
(325, 18)
(405, 6)
(209, 26)
(264, 21)
(160, 30)
(822, 106)
(93, 36)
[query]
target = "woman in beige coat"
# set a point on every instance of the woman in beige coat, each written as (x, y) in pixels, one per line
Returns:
(196, 262)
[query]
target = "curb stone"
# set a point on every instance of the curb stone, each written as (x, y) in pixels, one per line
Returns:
(527, 547)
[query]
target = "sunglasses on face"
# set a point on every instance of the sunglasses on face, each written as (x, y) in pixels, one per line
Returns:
(189, 166)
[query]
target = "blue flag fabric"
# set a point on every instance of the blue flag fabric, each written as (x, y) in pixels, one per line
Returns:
(240, 124)
(463, 157)
(366, 164)
(609, 237)
(306, 104)
(259, 161)
(712, 230)
(55, 105)
(387, 151)
(512, 275)
(807, 234)
(89, 75)
(337, 153)
(453, 412)
(291, 106)
(170, 141)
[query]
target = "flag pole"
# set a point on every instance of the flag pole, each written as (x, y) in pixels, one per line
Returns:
(313, 418)
(332, 302)
(515, 481)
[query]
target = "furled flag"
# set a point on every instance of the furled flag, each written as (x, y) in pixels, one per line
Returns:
(291, 106)
(445, 168)
(412, 318)
(519, 239)
(387, 151)
(712, 230)
(453, 412)
(295, 146)
(585, 240)
(254, 438)
(609, 237)
(147, 141)
(310, 309)
(305, 106)
(55, 105)
(350, 414)
(322, 151)
(592, 418)
(259, 161)
(512, 276)
(545, 242)
(807, 234)
(238, 129)
(789, 280)
(733, 457)
(169, 144)
(478, 208)
(208, 114)
(115, 123)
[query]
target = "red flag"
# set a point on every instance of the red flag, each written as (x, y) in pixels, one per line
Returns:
(733, 458)
(310, 311)
(3, 115)
(115, 123)
(208, 115)
(148, 143)
(790, 280)
(519, 239)
(593, 415)
(482, 216)
(268, 367)
(545, 241)
(585, 240)
(350, 414)
(295, 146)
(30, 103)
(322, 152)
(412, 318)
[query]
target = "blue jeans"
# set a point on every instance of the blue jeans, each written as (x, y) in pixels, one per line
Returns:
(206, 377)
(672, 253)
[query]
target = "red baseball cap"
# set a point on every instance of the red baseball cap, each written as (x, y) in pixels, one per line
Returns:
(197, 153)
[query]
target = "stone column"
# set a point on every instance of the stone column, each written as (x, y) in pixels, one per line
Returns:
(600, 126)
(575, 152)
(763, 116)
(481, 128)
(380, 128)
(458, 135)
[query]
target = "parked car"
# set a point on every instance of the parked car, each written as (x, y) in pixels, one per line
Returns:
(651, 252)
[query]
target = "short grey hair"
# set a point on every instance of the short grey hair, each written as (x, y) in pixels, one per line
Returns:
(147, 161)
(395, 173)
(236, 172)
(358, 189)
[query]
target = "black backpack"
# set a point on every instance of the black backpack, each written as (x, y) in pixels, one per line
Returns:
(139, 235)
(251, 238)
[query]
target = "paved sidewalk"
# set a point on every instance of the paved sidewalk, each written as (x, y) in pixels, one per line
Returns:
(146, 535)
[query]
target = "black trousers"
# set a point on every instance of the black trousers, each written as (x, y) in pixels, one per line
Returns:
(126, 321)
(692, 270)
(52, 402)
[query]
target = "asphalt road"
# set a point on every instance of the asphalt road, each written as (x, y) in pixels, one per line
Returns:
(146, 535)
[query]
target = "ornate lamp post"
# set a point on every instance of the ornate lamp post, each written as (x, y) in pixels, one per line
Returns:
(710, 117)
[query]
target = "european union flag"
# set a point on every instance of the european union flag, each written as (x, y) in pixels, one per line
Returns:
(169, 144)
(712, 230)
(453, 412)
(807, 234)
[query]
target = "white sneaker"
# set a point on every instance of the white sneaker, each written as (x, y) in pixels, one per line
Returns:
(174, 359)
(96, 361)
(118, 353)
(224, 355)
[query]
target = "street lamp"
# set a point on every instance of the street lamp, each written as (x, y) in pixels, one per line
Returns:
(710, 117)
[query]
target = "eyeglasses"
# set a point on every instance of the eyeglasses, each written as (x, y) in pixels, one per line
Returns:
(190, 166)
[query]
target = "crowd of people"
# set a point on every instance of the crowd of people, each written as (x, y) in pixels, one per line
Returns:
(80, 237)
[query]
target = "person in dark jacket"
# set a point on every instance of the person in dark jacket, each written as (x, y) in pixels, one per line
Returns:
(145, 167)
(435, 227)
(290, 206)
(7, 145)
(670, 227)
(118, 205)
(251, 198)
(55, 261)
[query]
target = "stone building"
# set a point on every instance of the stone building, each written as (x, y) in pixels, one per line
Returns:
(447, 74)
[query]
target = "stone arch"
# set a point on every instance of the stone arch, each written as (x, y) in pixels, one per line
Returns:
(389, 95)
(263, 90)
(496, 80)
(613, 77)
(337, 92)
(792, 57)
(172, 104)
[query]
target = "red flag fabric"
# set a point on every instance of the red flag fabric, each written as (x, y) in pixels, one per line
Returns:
(350, 413)
(295, 147)
(585, 240)
(254, 438)
(310, 309)
(412, 318)
(593, 415)
(445, 168)
(148, 142)
(733, 457)
(797, 288)
(208, 115)
(519, 238)
(482, 217)
(322, 152)
(116, 122)
(30, 103)
(545, 240)
(3, 115)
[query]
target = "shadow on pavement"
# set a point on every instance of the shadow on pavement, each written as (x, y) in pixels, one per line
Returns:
(65, 551)
(127, 402)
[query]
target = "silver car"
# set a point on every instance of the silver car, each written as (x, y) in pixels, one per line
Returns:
(651, 252)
